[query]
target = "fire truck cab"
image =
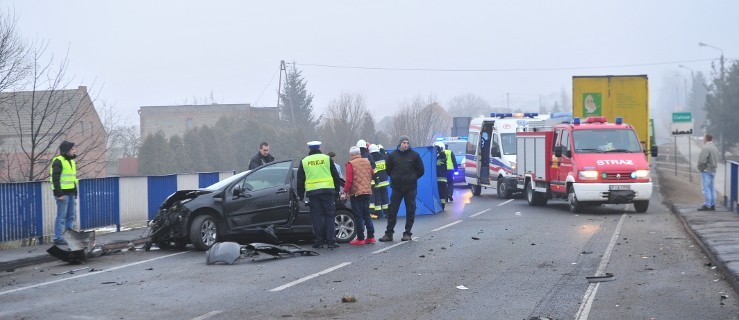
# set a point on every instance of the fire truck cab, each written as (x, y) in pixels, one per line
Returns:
(588, 163)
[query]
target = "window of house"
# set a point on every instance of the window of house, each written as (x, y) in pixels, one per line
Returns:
(91, 129)
(189, 123)
(82, 127)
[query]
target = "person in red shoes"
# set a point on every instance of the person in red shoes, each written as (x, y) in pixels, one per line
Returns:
(359, 188)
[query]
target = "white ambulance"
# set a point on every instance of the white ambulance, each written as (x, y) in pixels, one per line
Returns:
(491, 149)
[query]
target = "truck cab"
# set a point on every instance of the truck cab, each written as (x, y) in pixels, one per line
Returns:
(491, 149)
(587, 163)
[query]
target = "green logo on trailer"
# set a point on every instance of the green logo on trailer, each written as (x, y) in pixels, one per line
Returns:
(591, 104)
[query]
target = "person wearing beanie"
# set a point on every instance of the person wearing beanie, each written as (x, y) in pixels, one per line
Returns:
(63, 177)
(320, 182)
(404, 166)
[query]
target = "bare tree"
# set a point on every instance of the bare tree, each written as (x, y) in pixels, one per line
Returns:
(124, 139)
(468, 105)
(38, 120)
(14, 54)
(422, 120)
(346, 121)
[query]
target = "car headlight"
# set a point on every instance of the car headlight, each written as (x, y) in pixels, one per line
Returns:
(513, 166)
(588, 175)
(640, 174)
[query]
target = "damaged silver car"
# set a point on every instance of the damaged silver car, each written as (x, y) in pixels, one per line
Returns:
(240, 208)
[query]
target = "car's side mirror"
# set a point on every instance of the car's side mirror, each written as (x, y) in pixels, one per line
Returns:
(237, 191)
(558, 151)
(653, 151)
(495, 152)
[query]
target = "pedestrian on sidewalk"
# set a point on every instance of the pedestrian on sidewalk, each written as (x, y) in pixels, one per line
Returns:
(404, 166)
(359, 189)
(707, 161)
(63, 172)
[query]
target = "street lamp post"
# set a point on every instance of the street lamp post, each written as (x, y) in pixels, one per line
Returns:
(720, 94)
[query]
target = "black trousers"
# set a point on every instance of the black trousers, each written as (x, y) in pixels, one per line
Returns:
(409, 195)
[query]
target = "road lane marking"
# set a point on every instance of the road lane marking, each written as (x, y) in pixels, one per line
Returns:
(90, 273)
(208, 315)
(587, 300)
(479, 213)
(303, 279)
(393, 246)
(446, 226)
(505, 202)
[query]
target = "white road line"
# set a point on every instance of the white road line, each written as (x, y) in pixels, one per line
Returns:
(505, 202)
(446, 226)
(393, 246)
(479, 213)
(208, 315)
(587, 300)
(303, 279)
(90, 273)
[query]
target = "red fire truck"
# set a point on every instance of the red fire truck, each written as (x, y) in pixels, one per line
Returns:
(589, 163)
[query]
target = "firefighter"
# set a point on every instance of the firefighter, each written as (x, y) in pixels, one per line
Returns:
(441, 170)
(379, 190)
(319, 181)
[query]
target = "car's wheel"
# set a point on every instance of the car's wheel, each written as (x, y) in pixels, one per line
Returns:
(641, 206)
(204, 232)
(346, 226)
(503, 191)
(476, 189)
(574, 204)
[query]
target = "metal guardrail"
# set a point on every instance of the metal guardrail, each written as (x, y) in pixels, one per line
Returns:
(28, 209)
(731, 188)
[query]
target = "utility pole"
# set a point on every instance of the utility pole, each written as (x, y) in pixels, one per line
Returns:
(292, 112)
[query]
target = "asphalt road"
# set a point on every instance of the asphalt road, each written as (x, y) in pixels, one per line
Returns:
(484, 258)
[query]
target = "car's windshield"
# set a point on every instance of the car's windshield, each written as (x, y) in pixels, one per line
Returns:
(508, 143)
(606, 140)
(220, 184)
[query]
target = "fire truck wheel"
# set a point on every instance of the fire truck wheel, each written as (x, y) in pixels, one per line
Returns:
(535, 198)
(574, 204)
(476, 189)
(503, 191)
(641, 206)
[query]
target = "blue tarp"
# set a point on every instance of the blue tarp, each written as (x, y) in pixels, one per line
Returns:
(427, 198)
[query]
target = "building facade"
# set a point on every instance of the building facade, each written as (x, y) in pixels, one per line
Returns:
(176, 120)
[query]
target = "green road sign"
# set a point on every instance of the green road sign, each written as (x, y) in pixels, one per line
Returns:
(681, 117)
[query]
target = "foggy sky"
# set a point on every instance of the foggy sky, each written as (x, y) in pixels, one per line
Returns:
(143, 53)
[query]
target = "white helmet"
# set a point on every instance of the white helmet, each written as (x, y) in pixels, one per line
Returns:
(380, 146)
(361, 143)
(439, 144)
(373, 148)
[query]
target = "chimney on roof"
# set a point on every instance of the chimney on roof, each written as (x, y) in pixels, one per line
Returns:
(82, 88)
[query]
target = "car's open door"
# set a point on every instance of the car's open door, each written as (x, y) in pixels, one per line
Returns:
(264, 197)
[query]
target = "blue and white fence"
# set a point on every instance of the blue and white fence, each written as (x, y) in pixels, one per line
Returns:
(731, 189)
(28, 210)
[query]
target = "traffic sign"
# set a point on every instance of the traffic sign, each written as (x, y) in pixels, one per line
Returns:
(682, 117)
(681, 128)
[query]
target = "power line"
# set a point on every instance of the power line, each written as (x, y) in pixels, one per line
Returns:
(265, 87)
(497, 70)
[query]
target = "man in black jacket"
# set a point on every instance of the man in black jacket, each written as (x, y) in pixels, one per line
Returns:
(262, 157)
(64, 182)
(404, 166)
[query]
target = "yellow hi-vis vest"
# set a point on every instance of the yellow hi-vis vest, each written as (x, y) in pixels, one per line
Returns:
(449, 155)
(317, 169)
(68, 179)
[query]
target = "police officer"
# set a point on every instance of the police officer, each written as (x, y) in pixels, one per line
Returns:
(319, 181)
(451, 168)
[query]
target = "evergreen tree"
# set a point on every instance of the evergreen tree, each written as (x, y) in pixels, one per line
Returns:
(296, 104)
(154, 155)
(721, 108)
(177, 147)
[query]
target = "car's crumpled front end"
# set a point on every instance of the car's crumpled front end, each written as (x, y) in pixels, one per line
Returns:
(169, 226)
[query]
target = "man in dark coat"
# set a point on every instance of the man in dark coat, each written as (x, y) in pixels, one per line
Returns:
(262, 157)
(404, 166)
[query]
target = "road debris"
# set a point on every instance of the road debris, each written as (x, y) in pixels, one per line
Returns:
(475, 238)
(348, 298)
(606, 277)
(461, 287)
(70, 271)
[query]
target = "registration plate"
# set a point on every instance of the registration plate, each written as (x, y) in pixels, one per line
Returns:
(619, 187)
